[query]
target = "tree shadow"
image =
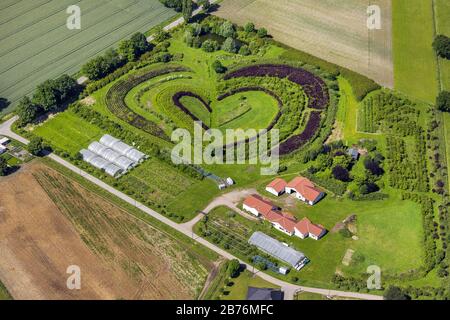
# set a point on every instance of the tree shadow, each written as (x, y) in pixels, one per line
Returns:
(4, 103)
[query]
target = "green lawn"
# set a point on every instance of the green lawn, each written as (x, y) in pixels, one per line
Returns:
(443, 27)
(415, 69)
(4, 294)
(197, 108)
(248, 110)
(238, 291)
(68, 132)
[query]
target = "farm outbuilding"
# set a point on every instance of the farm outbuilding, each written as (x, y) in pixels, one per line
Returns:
(278, 250)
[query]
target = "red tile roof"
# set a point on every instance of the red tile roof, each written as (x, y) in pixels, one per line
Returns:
(262, 205)
(305, 226)
(278, 185)
(305, 187)
(287, 221)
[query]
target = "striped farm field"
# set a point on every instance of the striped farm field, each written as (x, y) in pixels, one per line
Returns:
(35, 43)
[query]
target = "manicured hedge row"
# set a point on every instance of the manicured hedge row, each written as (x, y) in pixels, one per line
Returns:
(314, 87)
(115, 100)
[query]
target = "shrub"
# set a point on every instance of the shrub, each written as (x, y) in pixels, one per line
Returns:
(219, 67)
(210, 45)
(36, 146)
(441, 45)
(443, 101)
(262, 33)
(249, 27)
(395, 293)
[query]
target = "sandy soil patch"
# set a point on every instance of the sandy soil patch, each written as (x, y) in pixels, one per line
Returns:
(48, 222)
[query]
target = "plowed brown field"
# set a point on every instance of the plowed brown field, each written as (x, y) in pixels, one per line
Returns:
(49, 222)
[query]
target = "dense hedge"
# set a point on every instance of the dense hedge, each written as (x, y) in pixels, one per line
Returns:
(115, 100)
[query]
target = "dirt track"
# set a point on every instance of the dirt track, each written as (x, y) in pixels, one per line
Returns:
(334, 30)
(38, 243)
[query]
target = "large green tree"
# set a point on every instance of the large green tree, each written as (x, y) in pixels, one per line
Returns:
(443, 101)
(27, 111)
(441, 45)
(36, 146)
(395, 293)
(187, 10)
(47, 95)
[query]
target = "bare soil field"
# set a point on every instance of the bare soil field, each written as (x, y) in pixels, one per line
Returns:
(48, 222)
(332, 30)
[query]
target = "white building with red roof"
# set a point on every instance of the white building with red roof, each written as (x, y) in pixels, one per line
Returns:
(304, 190)
(258, 206)
(277, 187)
(305, 228)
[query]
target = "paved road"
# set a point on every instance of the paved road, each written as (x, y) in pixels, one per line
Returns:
(186, 229)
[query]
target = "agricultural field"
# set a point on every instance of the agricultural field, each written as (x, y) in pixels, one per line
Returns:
(118, 254)
(341, 37)
(415, 67)
(36, 44)
(188, 77)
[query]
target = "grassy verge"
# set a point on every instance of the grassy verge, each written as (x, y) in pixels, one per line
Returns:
(4, 294)
(415, 67)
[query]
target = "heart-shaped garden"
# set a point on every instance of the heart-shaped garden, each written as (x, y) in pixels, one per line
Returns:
(259, 96)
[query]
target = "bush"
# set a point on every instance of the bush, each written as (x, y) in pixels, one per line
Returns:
(219, 67)
(443, 101)
(210, 45)
(262, 33)
(345, 233)
(441, 45)
(395, 293)
(3, 167)
(36, 146)
(249, 27)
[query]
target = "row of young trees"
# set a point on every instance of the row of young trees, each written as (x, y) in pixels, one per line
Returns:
(129, 50)
(441, 46)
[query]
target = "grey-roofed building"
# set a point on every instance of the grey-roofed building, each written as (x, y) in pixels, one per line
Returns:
(261, 294)
(354, 153)
(278, 250)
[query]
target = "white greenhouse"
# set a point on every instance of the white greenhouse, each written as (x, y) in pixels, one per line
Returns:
(112, 156)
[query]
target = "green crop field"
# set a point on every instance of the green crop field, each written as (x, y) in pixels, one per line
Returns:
(415, 69)
(37, 45)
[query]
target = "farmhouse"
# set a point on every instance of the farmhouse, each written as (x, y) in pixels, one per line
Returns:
(277, 187)
(304, 190)
(258, 205)
(276, 249)
(305, 228)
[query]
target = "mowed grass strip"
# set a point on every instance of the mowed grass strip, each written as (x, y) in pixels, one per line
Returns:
(442, 8)
(263, 109)
(415, 67)
(197, 108)
(68, 132)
